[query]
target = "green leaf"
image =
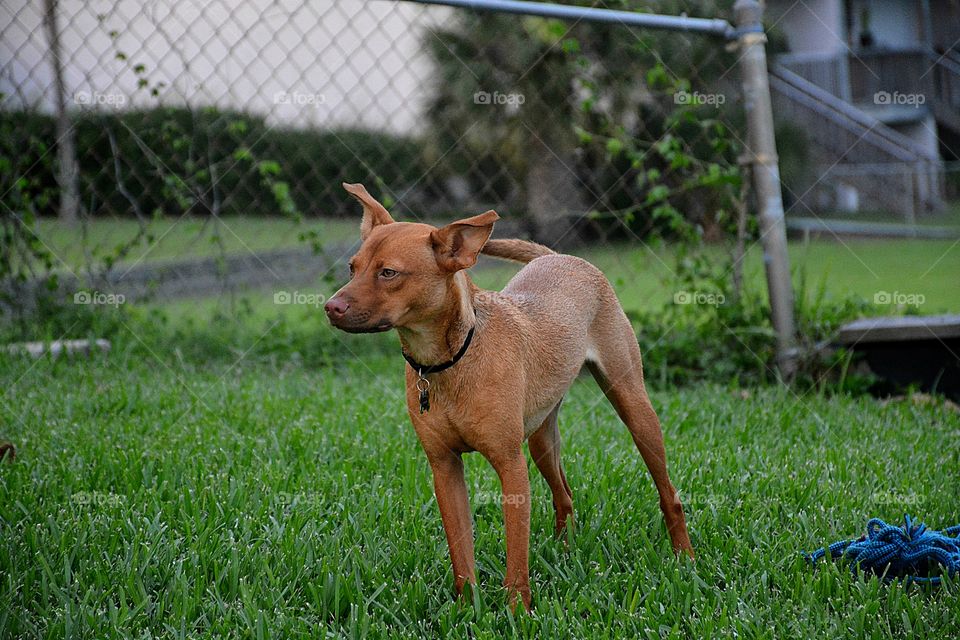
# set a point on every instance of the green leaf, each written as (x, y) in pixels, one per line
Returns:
(658, 193)
(237, 127)
(657, 77)
(583, 135)
(570, 45)
(269, 168)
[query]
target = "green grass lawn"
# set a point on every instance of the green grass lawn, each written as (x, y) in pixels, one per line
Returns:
(186, 237)
(642, 273)
(152, 498)
(643, 277)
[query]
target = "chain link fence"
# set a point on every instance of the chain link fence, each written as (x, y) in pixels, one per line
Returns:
(213, 137)
(186, 150)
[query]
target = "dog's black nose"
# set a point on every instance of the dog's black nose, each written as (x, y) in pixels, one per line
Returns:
(336, 307)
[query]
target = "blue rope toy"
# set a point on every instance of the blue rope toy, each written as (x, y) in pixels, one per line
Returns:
(911, 551)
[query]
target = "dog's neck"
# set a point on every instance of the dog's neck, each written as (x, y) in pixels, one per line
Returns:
(438, 339)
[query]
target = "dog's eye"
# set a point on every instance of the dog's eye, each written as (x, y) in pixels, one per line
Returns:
(352, 269)
(388, 273)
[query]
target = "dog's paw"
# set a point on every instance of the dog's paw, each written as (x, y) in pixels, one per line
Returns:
(518, 595)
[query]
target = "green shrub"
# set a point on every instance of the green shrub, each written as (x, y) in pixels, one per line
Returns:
(733, 341)
(166, 155)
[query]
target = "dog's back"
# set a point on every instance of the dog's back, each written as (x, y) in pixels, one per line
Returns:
(552, 284)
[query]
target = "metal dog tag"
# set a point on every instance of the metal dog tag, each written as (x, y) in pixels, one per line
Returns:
(423, 386)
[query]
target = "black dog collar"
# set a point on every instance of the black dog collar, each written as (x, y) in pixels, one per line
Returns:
(424, 369)
(423, 385)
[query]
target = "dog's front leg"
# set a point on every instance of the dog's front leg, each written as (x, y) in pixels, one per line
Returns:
(451, 491)
(515, 485)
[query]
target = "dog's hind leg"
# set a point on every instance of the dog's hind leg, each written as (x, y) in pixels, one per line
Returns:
(545, 451)
(615, 363)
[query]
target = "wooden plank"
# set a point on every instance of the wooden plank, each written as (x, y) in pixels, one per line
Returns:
(870, 229)
(899, 329)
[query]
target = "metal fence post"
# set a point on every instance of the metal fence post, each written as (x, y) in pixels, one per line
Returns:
(762, 156)
(68, 171)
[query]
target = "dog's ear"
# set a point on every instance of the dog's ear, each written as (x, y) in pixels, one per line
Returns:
(458, 244)
(374, 213)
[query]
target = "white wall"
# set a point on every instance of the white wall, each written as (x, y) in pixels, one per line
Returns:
(895, 23)
(348, 62)
(812, 26)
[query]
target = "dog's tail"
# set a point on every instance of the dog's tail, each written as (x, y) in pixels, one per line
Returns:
(517, 250)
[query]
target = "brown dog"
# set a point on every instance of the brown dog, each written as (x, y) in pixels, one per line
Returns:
(489, 370)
